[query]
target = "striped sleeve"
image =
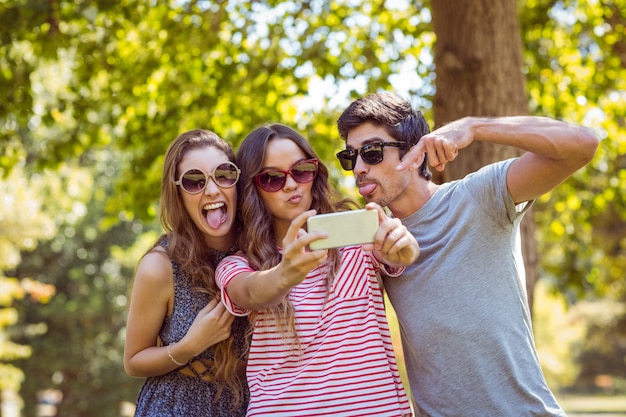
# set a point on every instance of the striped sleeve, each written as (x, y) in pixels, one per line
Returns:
(228, 269)
(389, 271)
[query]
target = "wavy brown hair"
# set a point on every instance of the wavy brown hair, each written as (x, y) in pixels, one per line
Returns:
(186, 244)
(257, 239)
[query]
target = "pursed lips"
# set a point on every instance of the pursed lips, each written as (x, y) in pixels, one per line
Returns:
(294, 199)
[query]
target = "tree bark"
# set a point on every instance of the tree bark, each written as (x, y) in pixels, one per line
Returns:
(478, 60)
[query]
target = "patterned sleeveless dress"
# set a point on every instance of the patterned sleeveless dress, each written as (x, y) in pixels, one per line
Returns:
(175, 394)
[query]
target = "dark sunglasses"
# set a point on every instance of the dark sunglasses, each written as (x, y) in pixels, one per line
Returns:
(195, 180)
(302, 172)
(372, 154)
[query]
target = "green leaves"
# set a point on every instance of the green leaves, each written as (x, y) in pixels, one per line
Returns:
(575, 72)
(94, 91)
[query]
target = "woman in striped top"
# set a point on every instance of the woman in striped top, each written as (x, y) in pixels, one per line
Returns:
(321, 344)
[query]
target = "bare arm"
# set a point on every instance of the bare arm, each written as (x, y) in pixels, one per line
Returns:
(151, 301)
(262, 289)
(555, 149)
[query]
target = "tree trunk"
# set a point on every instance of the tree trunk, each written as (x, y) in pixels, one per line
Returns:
(478, 59)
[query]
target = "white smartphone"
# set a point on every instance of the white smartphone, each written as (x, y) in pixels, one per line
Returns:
(346, 228)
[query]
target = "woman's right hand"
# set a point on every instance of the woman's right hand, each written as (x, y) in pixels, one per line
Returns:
(267, 288)
(297, 260)
(211, 326)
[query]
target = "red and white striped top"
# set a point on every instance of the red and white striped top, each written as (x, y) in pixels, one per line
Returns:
(345, 365)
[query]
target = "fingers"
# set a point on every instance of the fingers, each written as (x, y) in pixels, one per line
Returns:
(296, 239)
(394, 242)
(296, 226)
(210, 306)
(212, 325)
(440, 149)
(297, 261)
(403, 252)
(413, 158)
(222, 321)
(215, 311)
(382, 216)
(400, 247)
(386, 227)
(304, 239)
(451, 151)
(388, 235)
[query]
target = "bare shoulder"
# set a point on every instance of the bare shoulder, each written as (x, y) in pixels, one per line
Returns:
(155, 269)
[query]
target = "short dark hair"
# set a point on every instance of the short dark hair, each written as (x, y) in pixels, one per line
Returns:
(394, 114)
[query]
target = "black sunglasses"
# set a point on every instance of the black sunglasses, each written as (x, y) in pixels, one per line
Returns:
(372, 154)
(195, 180)
(302, 172)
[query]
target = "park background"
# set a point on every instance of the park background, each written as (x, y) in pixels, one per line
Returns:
(93, 91)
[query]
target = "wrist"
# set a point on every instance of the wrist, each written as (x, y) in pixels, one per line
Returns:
(285, 280)
(176, 359)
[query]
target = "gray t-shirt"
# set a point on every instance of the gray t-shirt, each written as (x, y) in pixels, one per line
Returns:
(462, 306)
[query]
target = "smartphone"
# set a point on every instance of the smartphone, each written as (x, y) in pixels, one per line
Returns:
(346, 228)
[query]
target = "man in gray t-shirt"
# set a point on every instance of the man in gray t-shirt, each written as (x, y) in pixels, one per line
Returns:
(462, 306)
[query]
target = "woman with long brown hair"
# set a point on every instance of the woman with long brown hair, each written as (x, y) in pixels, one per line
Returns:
(179, 335)
(320, 344)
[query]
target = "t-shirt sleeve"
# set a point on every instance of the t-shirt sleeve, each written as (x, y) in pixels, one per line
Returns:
(489, 183)
(228, 269)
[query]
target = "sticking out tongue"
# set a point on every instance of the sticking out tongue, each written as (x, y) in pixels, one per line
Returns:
(367, 189)
(214, 218)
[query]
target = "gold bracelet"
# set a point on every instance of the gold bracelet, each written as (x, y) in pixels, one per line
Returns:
(169, 353)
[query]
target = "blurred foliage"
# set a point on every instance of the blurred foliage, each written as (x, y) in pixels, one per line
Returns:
(558, 332)
(576, 71)
(575, 55)
(602, 359)
(19, 196)
(95, 90)
(581, 347)
(81, 353)
(134, 74)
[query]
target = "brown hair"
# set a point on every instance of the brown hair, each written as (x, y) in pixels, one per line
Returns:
(394, 114)
(258, 240)
(186, 245)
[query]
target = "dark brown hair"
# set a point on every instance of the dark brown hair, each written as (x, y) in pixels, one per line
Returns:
(394, 114)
